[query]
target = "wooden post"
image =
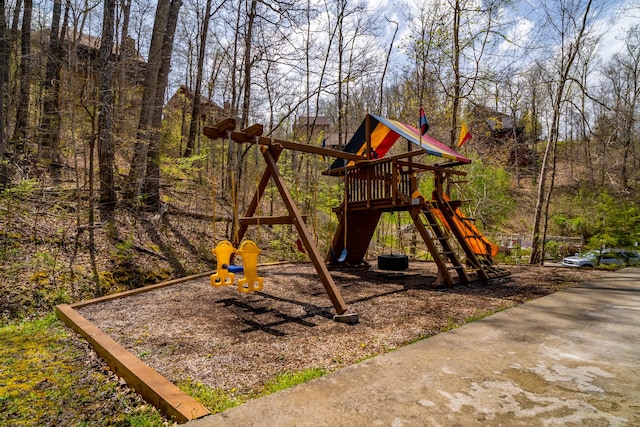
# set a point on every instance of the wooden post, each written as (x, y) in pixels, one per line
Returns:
(270, 154)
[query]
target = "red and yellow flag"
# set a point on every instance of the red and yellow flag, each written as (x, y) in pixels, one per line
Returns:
(465, 135)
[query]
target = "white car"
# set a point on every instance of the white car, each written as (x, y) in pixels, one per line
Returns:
(619, 257)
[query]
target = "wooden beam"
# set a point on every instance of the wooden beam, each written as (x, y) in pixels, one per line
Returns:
(220, 129)
(307, 240)
(268, 220)
(153, 387)
(399, 159)
(253, 130)
(140, 290)
(310, 149)
(242, 137)
(435, 169)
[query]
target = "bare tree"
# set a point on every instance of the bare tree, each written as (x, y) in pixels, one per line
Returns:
(4, 76)
(195, 108)
(145, 148)
(51, 117)
(105, 67)
(448, 50)
(22, 112)
(123, 56)
(623, 74)
(139, 160)
(570, 22)
(152, 178)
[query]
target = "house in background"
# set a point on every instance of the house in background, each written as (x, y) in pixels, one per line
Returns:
(492, 126)
(86, 49)
(322, 129)
(496, 136)
(210, 112)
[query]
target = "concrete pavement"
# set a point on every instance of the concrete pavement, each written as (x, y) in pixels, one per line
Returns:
(571, 358)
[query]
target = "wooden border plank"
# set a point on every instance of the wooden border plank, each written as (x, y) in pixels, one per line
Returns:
(153, 387)
(139, 290)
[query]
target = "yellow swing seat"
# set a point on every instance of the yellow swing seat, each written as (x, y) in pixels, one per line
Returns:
(251, 282)
(222, 276)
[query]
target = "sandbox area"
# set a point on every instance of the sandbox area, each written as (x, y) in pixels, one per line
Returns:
(226, 339)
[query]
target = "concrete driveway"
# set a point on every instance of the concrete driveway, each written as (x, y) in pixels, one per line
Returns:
(571, 358)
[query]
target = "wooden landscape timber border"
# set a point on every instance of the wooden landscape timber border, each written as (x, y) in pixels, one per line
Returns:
(153, 387)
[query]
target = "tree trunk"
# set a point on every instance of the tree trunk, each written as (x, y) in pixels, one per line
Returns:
(106, 155)
(123, 60)
(152, 178)
(195, 108)
(339, 24)
(144, 134)
(4, 72)
(22, 113)
(248, 64)
(138, 163)
(455, 106)
(50, 126)
(543, 197)
(386, 65)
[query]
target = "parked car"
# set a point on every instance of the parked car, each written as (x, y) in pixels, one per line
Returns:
(619, 257)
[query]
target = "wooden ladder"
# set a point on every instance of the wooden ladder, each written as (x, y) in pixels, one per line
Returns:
(439, 245)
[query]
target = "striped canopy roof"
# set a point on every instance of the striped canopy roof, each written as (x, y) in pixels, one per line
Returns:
(385, 132)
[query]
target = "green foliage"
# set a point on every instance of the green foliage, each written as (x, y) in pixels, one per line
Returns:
(179, 168)
(516, 256)
(488, 188)
(552, 249)
(532, 127)
(19, 190)
(123, 251)
(214, 399)
(603, 220)
(44, 380)
(289, 379)
(218, 400)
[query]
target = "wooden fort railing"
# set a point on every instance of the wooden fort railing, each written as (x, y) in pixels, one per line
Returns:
(382, 184)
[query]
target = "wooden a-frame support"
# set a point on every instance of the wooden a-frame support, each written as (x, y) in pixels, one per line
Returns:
(271, 150)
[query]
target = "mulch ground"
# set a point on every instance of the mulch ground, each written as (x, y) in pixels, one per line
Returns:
(223, 338)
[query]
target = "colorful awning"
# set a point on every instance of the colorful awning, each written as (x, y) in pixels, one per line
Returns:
(385, 132)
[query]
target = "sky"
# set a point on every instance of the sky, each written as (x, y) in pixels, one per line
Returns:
(615, 20)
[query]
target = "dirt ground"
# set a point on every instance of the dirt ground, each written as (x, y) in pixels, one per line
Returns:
(232, 340)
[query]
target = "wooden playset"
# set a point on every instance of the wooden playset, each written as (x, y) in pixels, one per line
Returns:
(373, 184)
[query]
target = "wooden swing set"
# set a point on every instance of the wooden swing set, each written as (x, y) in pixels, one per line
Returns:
(372, 185)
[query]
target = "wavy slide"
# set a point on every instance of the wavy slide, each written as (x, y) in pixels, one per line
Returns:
(478, 243)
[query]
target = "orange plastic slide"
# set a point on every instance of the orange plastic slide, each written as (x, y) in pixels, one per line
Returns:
(478, 243)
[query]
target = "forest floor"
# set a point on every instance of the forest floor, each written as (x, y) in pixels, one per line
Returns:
(192, 333)
(238, 342)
